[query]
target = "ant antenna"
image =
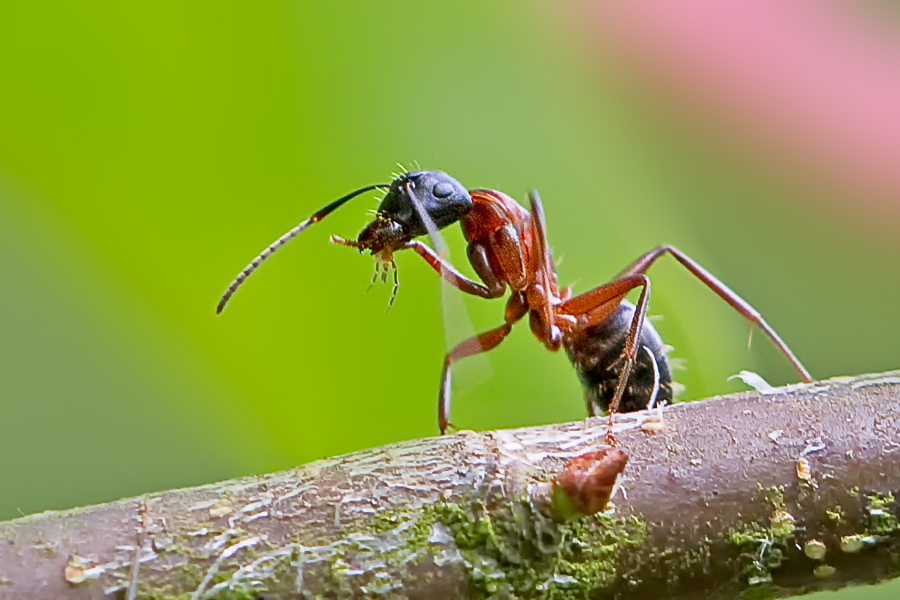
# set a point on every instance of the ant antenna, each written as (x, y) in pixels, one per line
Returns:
(315, 218)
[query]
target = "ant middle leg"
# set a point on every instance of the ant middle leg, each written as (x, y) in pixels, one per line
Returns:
(724, 292)
(475, 345)
(516, 308)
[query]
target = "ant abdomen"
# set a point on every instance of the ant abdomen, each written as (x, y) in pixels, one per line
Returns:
(597, 355)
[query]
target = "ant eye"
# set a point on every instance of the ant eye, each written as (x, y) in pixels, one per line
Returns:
(442, 189)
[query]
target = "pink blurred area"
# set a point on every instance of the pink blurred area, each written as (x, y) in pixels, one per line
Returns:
(815, 82)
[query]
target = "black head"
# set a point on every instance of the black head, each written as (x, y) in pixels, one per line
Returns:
(417, 203)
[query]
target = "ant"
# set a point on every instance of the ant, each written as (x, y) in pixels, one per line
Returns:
(618, 355)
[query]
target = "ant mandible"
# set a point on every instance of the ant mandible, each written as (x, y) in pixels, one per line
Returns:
(603, 334)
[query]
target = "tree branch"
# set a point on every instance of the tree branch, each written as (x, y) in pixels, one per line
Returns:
(778, 493)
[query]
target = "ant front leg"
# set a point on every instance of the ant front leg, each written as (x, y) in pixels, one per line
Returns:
(724, 292)
(494, 288)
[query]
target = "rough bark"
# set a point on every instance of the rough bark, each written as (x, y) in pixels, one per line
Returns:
(754, 494)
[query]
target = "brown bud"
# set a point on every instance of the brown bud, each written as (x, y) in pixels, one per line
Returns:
(585, 484)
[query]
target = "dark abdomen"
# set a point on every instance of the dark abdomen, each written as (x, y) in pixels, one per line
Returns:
(597, 357)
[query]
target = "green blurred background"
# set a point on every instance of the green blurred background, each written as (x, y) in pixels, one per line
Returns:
(146, 155)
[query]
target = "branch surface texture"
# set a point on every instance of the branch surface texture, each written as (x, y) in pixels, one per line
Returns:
(757, 494)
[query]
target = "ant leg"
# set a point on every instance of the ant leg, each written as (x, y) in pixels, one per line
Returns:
(630, 352)
(495, 289)
(516, 308)
(546, 274)
(594, 306)
(594, 410)
(724, 292)
(475, 345)
(539, 230)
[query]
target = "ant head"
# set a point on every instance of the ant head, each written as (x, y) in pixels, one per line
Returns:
(417, 203)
